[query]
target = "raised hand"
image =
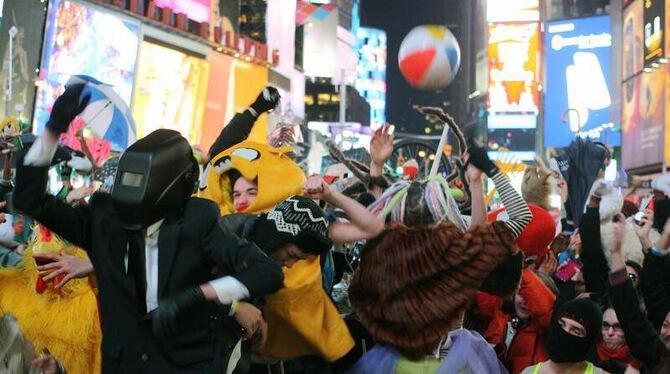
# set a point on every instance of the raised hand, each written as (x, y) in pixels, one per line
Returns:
(381, 145)
(267, 100)
(66, 107)
(316, 188)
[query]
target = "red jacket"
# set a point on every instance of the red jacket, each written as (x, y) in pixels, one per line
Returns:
(527, 345)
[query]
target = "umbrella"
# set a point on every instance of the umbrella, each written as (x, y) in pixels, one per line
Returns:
(580, 164)
(107, 115)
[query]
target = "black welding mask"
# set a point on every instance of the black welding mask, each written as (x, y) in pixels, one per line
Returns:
(156, 176)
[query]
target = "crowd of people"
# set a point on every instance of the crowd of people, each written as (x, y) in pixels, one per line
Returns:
(234, 261)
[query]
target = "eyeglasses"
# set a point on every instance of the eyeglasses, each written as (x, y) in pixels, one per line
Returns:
(615, 326)
(633, 277)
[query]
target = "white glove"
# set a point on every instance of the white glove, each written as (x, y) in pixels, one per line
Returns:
(80, 164)
(601, 188)
(662, 184)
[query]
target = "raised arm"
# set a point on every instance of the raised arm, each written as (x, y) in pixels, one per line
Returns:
(645, 344)
(30, 195)
(363, 224)
(238, 129)
(516, 207)
(592, 255)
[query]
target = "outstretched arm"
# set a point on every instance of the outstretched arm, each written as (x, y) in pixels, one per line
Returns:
(363, 224)
(238, 129)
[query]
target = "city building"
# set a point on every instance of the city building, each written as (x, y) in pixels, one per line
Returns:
(322, 103)
(371, 72)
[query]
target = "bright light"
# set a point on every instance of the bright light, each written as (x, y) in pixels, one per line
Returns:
(398, 170)
(422, 154)
(431, 157)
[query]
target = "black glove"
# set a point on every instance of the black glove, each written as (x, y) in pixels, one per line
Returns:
(169, 312)
(66, 107)
(479, 158)
(266, 100)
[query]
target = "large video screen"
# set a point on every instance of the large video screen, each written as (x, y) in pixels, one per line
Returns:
(513, 67)
(80, 39)
(577, 88)
(170, 91)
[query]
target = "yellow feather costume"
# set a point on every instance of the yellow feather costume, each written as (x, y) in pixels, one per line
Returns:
(67, 324)
(302, 319)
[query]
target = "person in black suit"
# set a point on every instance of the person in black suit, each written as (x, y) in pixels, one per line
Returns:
(170, 276)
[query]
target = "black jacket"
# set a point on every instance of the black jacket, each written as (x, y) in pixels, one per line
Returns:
(193, 249)
(595, 267)
(656, 288)
(236, 131)
(644, 342)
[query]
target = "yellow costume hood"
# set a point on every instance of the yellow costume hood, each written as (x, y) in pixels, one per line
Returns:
(276, 175)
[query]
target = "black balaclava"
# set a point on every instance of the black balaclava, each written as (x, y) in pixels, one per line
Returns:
(564, 347)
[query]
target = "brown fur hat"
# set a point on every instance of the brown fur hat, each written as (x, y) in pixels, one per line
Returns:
(414, 283)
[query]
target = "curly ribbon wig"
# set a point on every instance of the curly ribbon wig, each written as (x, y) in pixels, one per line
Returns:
(417, 203)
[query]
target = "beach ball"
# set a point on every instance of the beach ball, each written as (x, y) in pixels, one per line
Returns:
(429, 57)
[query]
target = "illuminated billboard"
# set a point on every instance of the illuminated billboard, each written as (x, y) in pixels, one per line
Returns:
(633, 35)
(512, 10)
(83, 40)
(654, 25)
(371, 72)
(170, 91)
(513, 67)
(643, 112)
(197, 10)
(577, 92)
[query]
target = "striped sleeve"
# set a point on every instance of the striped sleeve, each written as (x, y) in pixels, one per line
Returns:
(516, 207)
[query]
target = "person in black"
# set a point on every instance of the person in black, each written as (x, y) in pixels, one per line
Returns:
(169, 275)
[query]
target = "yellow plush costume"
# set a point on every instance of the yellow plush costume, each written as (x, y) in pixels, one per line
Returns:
(276, 175)
(67, 324)
(302, 319)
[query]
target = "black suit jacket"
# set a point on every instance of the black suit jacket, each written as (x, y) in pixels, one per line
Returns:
(192, 249)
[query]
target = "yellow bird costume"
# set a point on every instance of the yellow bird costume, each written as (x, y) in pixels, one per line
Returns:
(65, 321)
(302, 319)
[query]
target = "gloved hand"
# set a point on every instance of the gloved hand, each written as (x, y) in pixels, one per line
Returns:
(66, 107)
(662, 184)
(166, 317)
(480, 159)
(601, 188)
(266, 100)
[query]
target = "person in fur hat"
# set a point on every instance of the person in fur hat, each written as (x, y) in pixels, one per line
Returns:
(417, 278)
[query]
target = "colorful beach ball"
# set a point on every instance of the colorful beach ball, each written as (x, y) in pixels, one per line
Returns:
(429, 57)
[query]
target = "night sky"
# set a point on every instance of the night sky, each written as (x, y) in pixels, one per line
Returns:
(397, 18)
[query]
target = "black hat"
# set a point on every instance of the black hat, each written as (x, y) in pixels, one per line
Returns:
(297, 220)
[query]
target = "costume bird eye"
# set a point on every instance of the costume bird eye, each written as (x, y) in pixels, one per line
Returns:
(247, 153)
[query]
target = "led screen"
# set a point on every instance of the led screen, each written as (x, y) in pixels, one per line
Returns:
(577, 88)
(84, 40)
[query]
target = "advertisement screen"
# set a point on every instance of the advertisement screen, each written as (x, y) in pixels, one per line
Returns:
(513, 67)
(84, 40)
(197, 10)
(512, 10)
(577, 93)
(220, 95)
(633, 34)
(642, 118)
(170, 91)
(654, 25)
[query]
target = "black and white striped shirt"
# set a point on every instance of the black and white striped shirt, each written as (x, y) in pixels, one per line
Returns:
(515, 206)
